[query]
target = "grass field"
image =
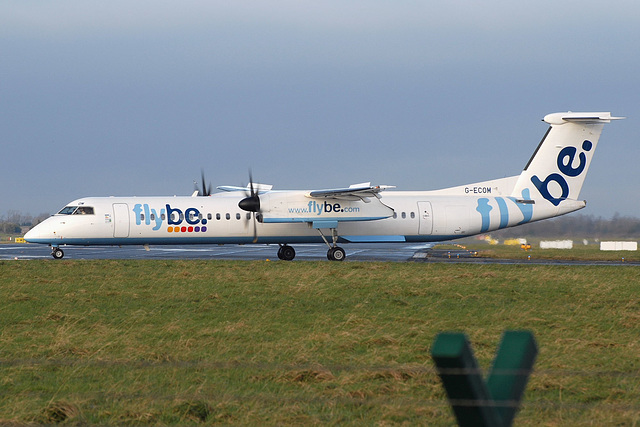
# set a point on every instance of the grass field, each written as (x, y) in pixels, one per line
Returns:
(579, 252)
(255, 342)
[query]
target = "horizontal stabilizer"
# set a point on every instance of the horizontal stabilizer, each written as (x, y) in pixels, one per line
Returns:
(560, 118)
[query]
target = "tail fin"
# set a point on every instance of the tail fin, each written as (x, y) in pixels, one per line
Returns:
(558, 167)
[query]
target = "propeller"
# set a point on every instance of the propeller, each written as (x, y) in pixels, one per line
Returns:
(251, 203)
(205, 191)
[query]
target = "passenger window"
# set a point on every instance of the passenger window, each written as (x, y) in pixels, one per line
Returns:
(209, 217)
(404, 215)
(228, 216)
(413, 215)
(395, 215)
(152, 217)
(238, 216)
(248, 216)
(163, 217)
(141, 217)
(218, 216)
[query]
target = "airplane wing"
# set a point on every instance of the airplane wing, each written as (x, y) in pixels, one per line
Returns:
(260, 188)
(355, 191)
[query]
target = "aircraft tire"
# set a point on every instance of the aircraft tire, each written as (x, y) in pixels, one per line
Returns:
(287, 252)
(336, 254)
(57, 253)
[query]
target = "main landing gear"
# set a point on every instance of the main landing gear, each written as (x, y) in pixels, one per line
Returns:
(335, 252)
(286, 253)
(57, 253)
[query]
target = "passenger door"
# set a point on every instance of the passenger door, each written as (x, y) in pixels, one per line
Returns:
(120, 220)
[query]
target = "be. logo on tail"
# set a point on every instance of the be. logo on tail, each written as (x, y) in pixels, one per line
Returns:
(565, 161)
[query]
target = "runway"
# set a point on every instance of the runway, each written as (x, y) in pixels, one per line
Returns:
(396, 252)
(393, 252)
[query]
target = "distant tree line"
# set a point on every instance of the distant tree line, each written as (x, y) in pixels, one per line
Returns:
(13, 221)
(577, 226)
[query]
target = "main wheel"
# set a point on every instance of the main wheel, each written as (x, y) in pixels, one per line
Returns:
(336, 254)
(287, 252)
(57, 253)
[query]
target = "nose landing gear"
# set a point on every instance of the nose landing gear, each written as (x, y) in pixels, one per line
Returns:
(57, 253)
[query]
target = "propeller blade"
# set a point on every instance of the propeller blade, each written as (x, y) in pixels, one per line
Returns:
(251, 203)
(255, 229)
(205, 191)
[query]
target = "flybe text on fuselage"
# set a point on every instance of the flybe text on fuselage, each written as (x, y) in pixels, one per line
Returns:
(174, 216)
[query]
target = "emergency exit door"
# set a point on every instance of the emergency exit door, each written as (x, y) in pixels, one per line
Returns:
(426, 218)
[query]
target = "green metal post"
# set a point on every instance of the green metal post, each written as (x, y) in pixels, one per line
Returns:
(466, 390)
(474, 402)
(510, 372)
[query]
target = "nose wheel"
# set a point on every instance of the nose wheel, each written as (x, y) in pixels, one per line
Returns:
(57, 253)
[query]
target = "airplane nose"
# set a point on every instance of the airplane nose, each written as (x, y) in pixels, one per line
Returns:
(40, 233)
(31, 235)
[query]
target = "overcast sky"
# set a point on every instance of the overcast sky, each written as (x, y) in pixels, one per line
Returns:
(135, 97)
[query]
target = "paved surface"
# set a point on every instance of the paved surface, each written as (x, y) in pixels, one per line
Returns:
(309, 252)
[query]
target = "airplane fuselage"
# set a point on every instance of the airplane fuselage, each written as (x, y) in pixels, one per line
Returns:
(412, 217)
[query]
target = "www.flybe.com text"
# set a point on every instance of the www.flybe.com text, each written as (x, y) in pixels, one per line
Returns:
(323, 208)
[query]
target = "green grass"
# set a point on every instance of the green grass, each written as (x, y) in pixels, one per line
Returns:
(206, 342)
(579, 252)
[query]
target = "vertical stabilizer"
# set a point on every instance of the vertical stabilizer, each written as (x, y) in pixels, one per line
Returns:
(558, 167)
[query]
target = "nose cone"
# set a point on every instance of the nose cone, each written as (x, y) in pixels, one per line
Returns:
(41, 233)
(32, 235)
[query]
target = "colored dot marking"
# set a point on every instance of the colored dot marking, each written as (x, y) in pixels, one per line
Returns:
(170, 229)
(587, 145)
(190, 229)
(203, 229)
(183, 229)
(196, 229)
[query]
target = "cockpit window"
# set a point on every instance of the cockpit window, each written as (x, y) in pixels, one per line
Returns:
(76, 210)
(68, 210)
(84, 210)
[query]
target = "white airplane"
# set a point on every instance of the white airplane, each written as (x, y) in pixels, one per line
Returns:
(549, 186)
